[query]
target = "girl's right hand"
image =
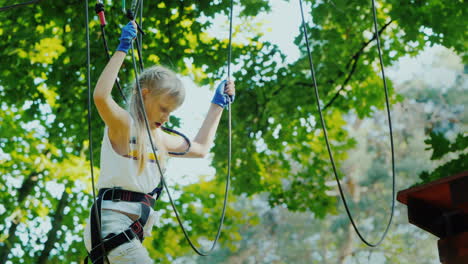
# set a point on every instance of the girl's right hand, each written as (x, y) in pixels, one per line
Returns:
(129, 32)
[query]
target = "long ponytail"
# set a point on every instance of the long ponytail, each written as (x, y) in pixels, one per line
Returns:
(159, 81)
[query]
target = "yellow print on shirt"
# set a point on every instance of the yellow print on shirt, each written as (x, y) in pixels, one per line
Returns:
(134, 155)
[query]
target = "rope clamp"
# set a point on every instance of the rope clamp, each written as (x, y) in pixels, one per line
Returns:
(131, 17)
(99, 8)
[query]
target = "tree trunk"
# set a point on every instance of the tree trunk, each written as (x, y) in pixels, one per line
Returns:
(346, 247)
(56, 224)
(23, 192)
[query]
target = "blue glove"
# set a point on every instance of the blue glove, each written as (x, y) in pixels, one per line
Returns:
(220, 98)
(128, 34)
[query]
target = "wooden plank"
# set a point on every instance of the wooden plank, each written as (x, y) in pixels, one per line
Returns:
(440, 193)
(441, 208)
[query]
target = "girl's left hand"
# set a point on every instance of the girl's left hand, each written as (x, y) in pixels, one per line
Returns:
(129, 32)
(225, 93)
(230, 90)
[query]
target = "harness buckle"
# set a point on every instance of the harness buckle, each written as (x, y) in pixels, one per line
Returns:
(113, 198)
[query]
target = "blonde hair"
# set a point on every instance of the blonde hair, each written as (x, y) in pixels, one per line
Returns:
(160, 81)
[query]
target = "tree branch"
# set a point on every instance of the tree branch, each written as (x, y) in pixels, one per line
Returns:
(343, 85)
(354, 59)
(352, 63)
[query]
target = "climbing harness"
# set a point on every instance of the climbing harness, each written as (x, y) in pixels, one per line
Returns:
(100, 247)
(325, 129)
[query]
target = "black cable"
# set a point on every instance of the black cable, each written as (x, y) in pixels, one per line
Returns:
(326, 136)
(136, 9)
(88, 77)
(199, 252)
(134, 6)
(4, 8)
(141, 25)
(140, 58)
(230, 41)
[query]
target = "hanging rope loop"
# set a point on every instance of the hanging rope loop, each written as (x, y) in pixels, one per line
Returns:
(348, 211)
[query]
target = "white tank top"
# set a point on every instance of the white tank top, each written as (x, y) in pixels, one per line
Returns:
(121, 171)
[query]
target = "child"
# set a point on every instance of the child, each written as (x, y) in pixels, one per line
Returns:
(129, 174)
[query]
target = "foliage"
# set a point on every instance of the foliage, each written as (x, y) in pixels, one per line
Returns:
(276, 124)
(441, 147)
(200, 207)
(32, 179)
(278, 144)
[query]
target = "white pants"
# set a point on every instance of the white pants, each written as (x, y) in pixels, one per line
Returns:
(127, 253)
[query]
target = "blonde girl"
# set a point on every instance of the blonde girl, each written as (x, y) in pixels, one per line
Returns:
(129, 174)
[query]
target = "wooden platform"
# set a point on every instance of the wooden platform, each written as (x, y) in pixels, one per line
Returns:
(441, 208)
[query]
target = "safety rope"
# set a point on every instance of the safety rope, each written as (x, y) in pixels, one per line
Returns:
(198, 251)
(326, 136)
(88, 78)
(3, 8)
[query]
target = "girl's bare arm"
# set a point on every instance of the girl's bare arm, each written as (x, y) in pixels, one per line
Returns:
(115, 117)
(202, 142)
(204, 139)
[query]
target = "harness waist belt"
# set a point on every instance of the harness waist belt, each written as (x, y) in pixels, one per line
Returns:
(116, 194)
